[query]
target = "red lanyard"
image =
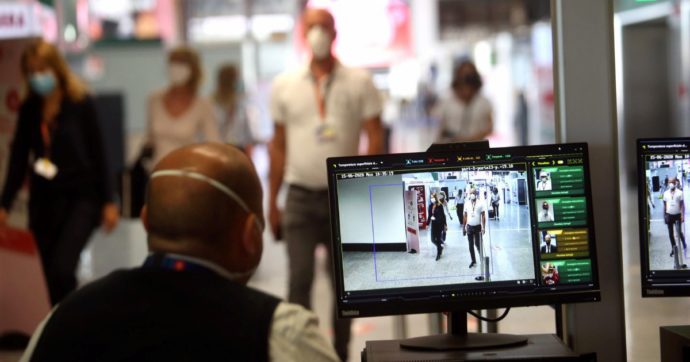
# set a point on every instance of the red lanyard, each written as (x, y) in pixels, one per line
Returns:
(321, 88)
(46, 135)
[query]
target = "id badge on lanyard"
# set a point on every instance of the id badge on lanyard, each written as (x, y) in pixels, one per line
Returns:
(43, 166)
(325, 131)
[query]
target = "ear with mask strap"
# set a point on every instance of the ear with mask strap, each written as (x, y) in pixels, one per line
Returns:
(214, 183)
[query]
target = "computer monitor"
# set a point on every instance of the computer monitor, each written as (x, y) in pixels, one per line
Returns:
(663, 179)
(538, 244)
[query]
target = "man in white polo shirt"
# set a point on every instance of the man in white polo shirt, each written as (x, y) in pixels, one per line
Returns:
(674, 208)
(319, 111)
(475, 222)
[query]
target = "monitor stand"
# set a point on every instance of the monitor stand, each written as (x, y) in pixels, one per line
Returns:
(457, 338)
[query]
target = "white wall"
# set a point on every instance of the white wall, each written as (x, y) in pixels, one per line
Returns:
(586, 112)
(386, 206)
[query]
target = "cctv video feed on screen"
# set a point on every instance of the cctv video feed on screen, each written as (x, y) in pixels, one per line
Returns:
(663, 176)
(495, 221)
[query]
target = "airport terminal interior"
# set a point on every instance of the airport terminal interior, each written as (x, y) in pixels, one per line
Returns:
(522, 50)
(507, 239)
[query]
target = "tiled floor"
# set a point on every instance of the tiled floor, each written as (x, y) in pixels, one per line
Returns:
(508, 248)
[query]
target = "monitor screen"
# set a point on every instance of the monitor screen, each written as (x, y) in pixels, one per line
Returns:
(400, 245)
(663, 176)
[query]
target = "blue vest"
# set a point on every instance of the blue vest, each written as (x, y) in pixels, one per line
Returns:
(160, 314)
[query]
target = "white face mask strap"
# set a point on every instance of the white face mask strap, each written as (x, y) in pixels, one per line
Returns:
(240, 275)
(217, 185)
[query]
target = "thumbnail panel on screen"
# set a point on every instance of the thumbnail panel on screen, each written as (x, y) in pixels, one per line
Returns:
(564, 243)
(385, 229)
(562, 212)
(559, 180)
(665, 187)
(568, 271)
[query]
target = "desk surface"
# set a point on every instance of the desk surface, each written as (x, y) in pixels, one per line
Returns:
(538, 347)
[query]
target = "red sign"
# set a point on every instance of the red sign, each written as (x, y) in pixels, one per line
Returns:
(12, 20)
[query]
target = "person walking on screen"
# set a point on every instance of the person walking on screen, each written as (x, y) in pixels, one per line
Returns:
(446, 209)
(189, 300)
(674, 210)
(475, 224)
(438, 226)
(495, 201)
(432, 202)
(319, 111)
(429, 209)
(460, 206)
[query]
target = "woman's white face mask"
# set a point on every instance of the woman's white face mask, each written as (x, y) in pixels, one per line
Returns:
(178, 73)
(319, 41)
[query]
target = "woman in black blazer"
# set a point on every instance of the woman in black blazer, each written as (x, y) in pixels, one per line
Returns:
(58, 141)
(438, 226)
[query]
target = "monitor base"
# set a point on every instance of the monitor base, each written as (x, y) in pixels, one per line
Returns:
(457, 338)
(469, 341)
(539, 347)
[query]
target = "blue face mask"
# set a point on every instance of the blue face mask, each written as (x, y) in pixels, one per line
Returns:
(42, 83)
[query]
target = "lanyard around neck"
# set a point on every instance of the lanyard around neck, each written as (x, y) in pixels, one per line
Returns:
(47, 130)
(47, 127)
(322, 88)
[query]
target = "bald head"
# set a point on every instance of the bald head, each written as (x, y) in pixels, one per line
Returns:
(315, 16)
(190, 201)
(318, 17)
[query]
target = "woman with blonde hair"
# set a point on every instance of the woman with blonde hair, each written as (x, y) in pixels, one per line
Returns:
(177, 116)
(439, 225)
(59, 141)
(231, 110)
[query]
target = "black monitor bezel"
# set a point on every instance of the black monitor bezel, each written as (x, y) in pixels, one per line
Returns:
(650, 288)
(422, 305)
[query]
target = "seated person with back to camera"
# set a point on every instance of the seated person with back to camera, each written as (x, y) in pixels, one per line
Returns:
(189, 300)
